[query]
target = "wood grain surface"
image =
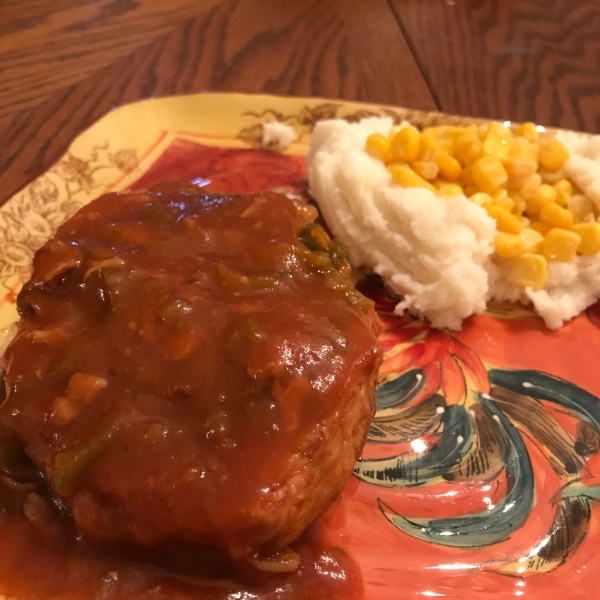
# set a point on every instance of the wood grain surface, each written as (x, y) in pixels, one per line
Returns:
(520, 60)
(64, 63)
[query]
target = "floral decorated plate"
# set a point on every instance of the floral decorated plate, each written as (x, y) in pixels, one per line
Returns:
(481, 474)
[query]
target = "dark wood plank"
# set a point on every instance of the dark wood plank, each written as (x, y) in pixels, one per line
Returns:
(392, 75)
(45, 46)
(510, 59)
(302, 48)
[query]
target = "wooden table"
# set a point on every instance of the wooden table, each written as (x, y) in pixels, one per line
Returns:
(63, 63)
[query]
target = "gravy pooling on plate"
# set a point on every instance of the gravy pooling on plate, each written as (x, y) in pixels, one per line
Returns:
(192, 369)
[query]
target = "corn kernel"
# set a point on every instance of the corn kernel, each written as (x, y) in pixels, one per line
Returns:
(433, 132)
(564, 191)
(378, 145)
(561, 245)
(514, 184)
(542, 196)
(501, 200)
(505, 222)
(471, 190)
(500, 131)
(406, 177)
(553, 155)
(449, 190)
(581, 206)
(530, 186)
(508, 245)
(442, 136)
(428, 148)
(522, 148)
(466, 177)
(529, 132)
(533, 240)
(519, 205)
(406, 144)
(449, 167)
(521, 161)
(590, 238)
(525, 221)
(447, 145)
(481, 199)
(556, 216)
(542, 228)
(427, 170)
(528, 271)
(489, 174)
(493, 147)
(497, 140)
(454, 132)
(467, 148)
(550, 178)
(520, 167)
(388, 158)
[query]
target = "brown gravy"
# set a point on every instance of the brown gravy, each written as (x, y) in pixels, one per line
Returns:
(41, 557)
(159, 368)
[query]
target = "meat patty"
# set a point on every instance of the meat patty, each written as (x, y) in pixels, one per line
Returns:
(193, 367)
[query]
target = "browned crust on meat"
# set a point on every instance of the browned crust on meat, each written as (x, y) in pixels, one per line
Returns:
(318, 472)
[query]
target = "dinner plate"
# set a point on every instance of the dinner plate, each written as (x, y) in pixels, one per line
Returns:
(481, 473)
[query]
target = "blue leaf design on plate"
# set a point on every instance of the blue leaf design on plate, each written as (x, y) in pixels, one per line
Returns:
(491, 526)
(399, 391)
(454, 442)
(546, 387)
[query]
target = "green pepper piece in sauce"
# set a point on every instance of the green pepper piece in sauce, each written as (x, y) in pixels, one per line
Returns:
(72, 465)
(234, 280)
(314, 237)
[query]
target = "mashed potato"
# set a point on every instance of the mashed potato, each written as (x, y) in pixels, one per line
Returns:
(277, 136)
(571, 288)
(433, 252)
(437, 254)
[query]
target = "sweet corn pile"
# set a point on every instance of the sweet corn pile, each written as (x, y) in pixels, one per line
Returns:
(513, 176)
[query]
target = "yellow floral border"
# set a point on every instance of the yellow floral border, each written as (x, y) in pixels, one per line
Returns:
(308, 116)
(31, 217)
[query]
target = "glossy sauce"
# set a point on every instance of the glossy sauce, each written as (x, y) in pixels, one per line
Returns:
(176, 353)
(42, 558)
